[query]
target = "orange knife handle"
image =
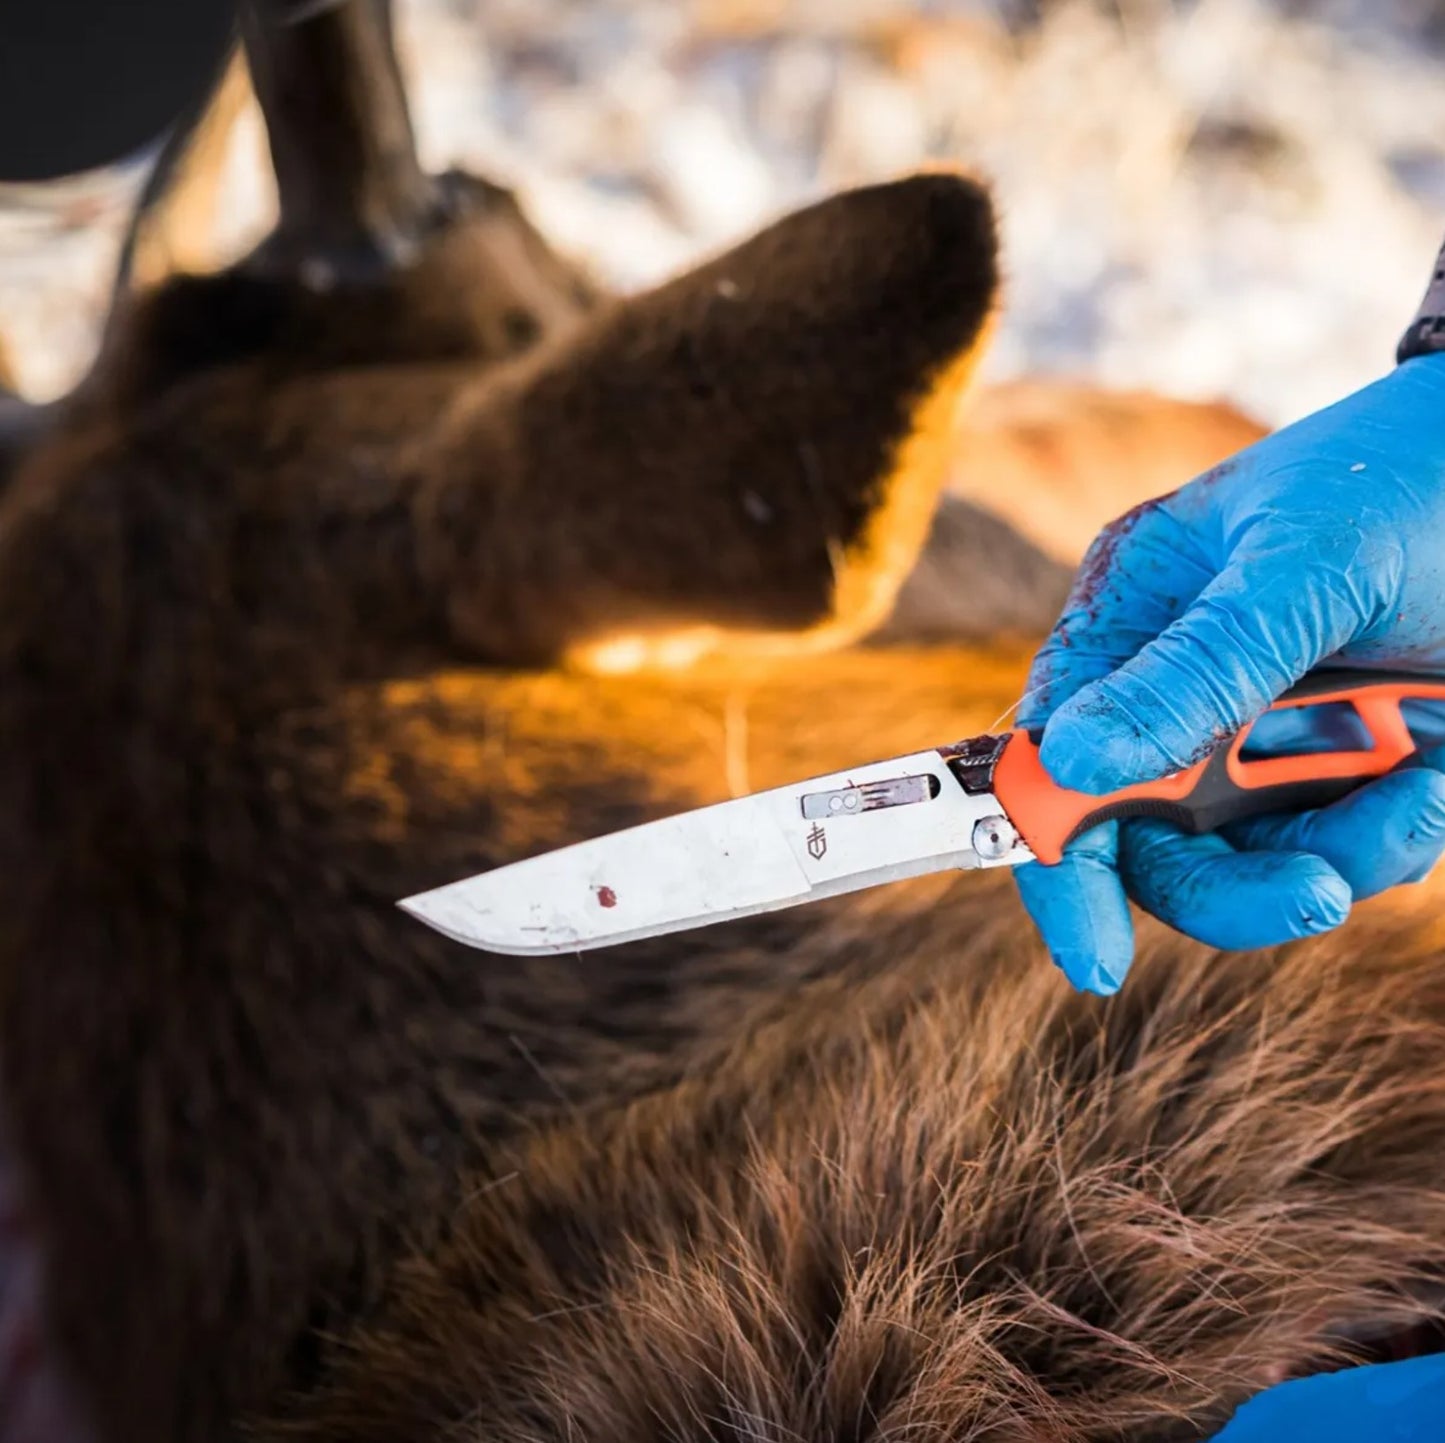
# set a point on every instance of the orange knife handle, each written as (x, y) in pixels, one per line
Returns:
(1225, 786)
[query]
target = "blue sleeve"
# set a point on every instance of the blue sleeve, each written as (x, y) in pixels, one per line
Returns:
(1385, 1403)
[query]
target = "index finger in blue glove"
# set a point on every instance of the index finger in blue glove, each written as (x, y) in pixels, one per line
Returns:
(1138, 575)
(1389, 832)
(1255, 629)
(1262, 882)
(1275, 878)
(1229, 899)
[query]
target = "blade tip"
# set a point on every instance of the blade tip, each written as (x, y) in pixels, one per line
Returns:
(418, 906)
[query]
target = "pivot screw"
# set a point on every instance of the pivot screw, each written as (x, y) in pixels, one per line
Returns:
(993, 838)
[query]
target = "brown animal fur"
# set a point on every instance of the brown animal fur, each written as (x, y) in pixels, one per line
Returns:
(238, 1076)
(237, 586)
(950, 1199)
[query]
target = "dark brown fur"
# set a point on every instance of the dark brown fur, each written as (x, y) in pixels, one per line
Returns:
(238, 1076)
(950, 1200)
(283, 603)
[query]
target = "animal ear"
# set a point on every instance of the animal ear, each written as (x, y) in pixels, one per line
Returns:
(177, 225)
(20, 421)
(752, 451)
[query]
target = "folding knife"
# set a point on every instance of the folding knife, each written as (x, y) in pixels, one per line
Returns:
(984, 802)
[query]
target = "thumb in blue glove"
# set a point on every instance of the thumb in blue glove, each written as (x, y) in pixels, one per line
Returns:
(1324, 542)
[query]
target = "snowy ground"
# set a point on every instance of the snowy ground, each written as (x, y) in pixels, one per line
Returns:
(1222, 197)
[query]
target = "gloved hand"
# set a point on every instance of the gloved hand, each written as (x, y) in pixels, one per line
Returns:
(1387, 1403)
(1188, 617)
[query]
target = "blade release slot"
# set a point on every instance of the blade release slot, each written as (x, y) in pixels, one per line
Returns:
(870, 797)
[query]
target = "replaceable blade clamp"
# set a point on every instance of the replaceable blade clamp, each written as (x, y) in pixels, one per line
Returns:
(974, 760)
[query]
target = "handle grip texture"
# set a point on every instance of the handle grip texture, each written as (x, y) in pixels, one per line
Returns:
(1234, 781)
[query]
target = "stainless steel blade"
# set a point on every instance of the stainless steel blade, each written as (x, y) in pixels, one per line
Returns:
(838, 833)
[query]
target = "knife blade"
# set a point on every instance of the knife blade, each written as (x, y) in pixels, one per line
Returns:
(835, 833)
(982, 802)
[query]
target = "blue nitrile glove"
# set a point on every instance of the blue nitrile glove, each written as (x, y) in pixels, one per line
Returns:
(1188, 617)
(1386, 1403)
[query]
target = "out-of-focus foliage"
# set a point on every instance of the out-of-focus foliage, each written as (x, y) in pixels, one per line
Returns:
(1223, 197)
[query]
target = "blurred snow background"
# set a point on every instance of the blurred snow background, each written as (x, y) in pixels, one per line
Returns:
(1234, 198)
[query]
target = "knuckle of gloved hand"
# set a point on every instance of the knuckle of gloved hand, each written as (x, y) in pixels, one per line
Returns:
(1344, 565)
(1101, 561)
(1374, 579)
